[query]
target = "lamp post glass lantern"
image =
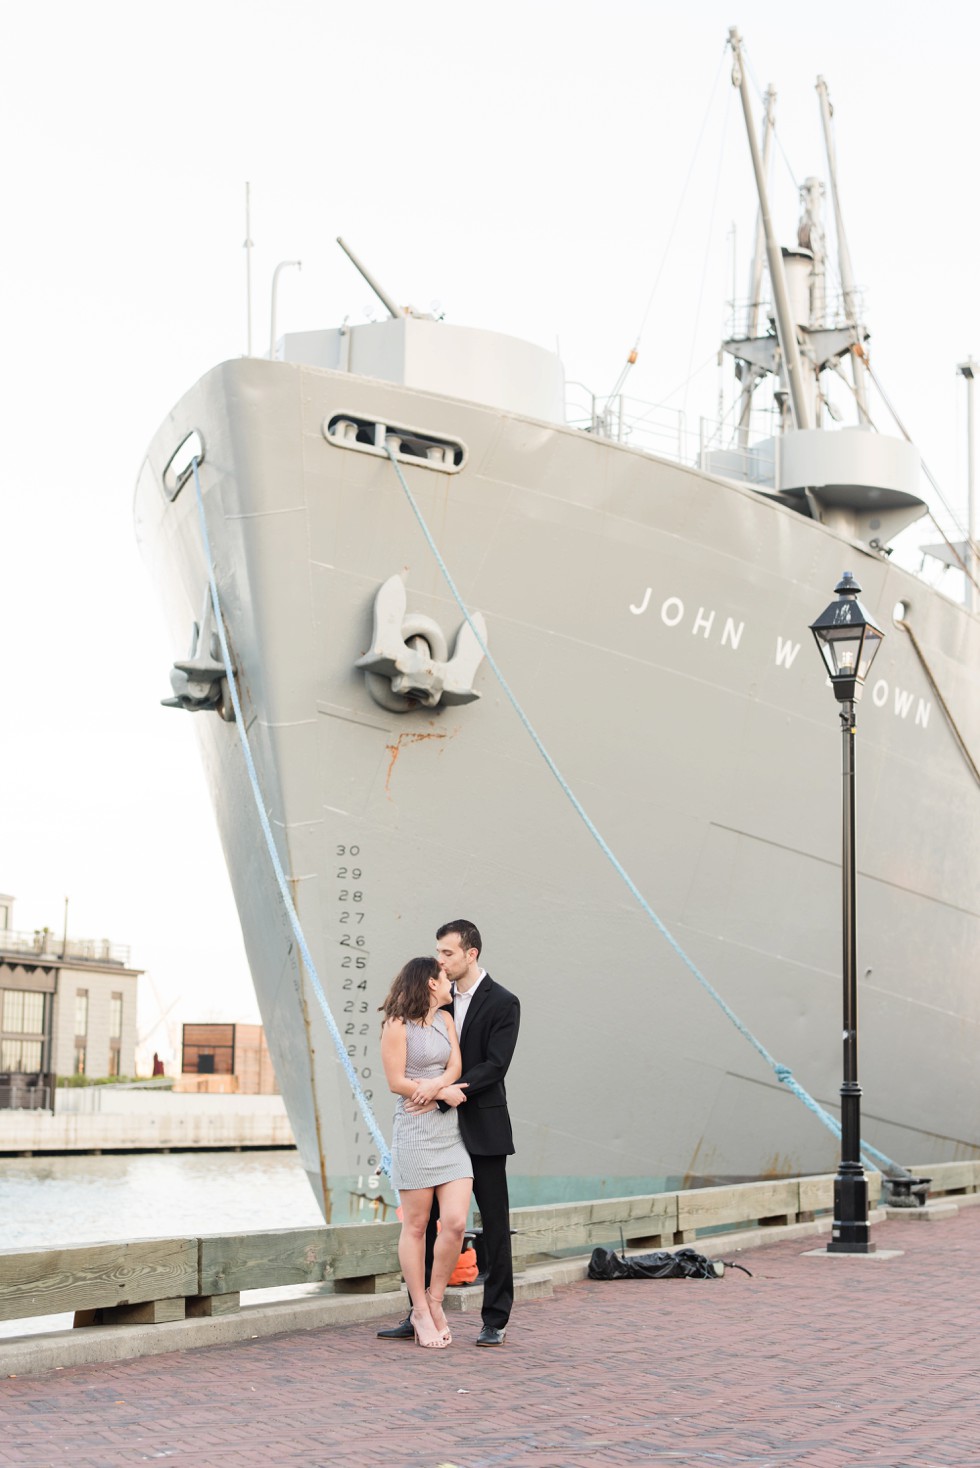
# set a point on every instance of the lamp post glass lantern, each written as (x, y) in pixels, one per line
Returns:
(848, 639)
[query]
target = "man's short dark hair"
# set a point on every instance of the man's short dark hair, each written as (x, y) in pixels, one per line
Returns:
(467, 932)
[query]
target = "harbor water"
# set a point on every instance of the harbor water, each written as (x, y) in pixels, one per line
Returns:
(62, 1200)
(46, 1202)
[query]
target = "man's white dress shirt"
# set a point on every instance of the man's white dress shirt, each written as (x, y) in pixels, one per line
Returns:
(461, 1002)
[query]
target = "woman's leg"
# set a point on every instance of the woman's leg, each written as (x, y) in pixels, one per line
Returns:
(454, 1204)
(416, 1205)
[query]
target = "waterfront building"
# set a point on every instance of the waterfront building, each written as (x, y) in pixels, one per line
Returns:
(226, 1058)
(67, 1007)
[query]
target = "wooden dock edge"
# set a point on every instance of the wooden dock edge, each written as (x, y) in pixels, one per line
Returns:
(147, 1299)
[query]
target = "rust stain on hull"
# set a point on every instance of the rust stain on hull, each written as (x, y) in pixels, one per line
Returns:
(321, 1156)
(405, 739)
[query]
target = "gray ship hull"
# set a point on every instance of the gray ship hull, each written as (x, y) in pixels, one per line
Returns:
(652, 621)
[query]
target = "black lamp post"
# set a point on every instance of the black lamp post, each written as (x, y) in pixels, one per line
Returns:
(848, 639)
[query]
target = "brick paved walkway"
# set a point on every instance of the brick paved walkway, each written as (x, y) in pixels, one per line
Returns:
(822, 1363)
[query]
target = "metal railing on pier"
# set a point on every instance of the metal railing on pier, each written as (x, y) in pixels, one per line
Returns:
(17, 1094)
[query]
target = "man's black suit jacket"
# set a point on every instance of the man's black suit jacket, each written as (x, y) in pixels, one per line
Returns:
(487, 1047)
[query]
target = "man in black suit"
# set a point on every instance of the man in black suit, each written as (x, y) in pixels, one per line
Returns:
(487, 1020)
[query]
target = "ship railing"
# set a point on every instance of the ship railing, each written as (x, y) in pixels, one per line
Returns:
(44, 943)
(653, 427)
(932, 548)
(714, 446)
(156, 1281)
(747, 318)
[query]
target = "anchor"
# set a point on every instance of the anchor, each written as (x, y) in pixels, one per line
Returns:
(408, 665)
(198, 681)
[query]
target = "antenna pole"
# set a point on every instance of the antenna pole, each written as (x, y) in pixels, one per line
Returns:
(968, 369)
(382, 296)
(843, 254)
(248, 271)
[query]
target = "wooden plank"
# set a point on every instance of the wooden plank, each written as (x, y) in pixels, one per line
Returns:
(204, 1306)
(546, 1230)
(817, 1193)
(257, 1261)
(151, 1312)
(949, 1177)
(700, 1208)
(652, 1221)
(95, 1276)
(609, 1210)
(584, 1225)
(368, 1284)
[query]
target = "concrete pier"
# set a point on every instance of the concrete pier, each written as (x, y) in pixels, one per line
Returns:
(118, 1120)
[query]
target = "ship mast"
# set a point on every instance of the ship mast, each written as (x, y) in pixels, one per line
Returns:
(862, 485)
(844, 255)
(752, 374)
(785, 328)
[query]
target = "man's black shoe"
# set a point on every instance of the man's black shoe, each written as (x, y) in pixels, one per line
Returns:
(490, 1337)
(403, 1331)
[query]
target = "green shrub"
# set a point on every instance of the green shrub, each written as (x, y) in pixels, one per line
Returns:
(95, 1080)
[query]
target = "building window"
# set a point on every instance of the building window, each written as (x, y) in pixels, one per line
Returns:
(115, 1034)
(20, 1055)
(209, 1050)
(81, 1029)
(23, 1012)
(21, 1030)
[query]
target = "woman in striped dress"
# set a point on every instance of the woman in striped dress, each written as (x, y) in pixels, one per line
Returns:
(420, 1054)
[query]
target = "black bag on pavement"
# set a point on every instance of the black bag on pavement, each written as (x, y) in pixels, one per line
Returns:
(661, 1264)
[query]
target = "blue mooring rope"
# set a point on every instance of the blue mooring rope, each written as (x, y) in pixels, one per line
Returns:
(355, 1084)
(783, 1074)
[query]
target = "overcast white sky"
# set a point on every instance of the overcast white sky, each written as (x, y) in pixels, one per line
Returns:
(521, 164)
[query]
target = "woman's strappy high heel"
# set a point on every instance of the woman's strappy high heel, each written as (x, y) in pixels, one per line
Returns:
(437, 1342)
(444, 1330)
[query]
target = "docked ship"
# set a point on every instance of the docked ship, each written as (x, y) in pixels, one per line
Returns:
(648, 615)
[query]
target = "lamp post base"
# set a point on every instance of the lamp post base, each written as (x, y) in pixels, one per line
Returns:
(851, 1232)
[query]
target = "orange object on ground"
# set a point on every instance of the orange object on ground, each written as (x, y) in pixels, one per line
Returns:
(466, 1270)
